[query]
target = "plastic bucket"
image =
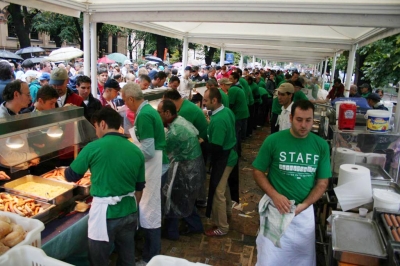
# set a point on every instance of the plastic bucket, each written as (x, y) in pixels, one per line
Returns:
(378, 120)
(386, 199)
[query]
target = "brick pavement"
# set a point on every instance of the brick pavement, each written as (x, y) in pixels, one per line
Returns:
(238, 247)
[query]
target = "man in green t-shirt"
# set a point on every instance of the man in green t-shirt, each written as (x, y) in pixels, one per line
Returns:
(148, 134)
(237, 103)
(212, 83)
(184, 183)
(365, 90)
(221, 136)
(298, 168)
(117, 186)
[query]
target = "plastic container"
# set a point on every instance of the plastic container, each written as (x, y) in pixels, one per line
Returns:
(362, 212)
(28, 255)
(386, 199)
(389, 106)
(347, 115)
(32, 226)
(378, 120)
(161, 260)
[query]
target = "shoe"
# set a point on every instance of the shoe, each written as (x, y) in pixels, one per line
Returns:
(215, 232)
(141, 263)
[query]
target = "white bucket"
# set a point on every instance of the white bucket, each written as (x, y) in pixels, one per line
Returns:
(386, 199)
(378, 120)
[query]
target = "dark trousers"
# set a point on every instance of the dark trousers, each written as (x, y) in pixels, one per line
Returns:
(255, 116)
(250, 121)
(240, 125)
(121, 232)
(193, 222)
(152, 243)
(274, 127)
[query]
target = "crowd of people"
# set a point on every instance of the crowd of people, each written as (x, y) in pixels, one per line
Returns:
(159, 177)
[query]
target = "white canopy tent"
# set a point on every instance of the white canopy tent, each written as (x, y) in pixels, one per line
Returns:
(306, 31)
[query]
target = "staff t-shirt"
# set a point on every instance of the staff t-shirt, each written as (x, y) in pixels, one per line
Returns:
(299, 95)
(194, 115)
(247, 91)
(221, 131)
(112, 175)
(224, 98)
(294, 163)
(256, 93)
(276, 106)
(237, 101)
(148, 125)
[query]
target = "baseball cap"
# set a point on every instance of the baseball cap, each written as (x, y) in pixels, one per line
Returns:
(127, 62)
(365, 85)
(45, 76)
(188, 68)
(195, 68)
(224, 81)
(113, 84)
(58, 76)
(374, 96)
(286, 87)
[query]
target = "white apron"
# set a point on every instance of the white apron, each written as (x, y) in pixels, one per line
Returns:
(97, 223)
(150, 203)
(298, 243)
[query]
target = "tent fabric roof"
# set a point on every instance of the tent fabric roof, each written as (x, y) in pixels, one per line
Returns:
(294, 30)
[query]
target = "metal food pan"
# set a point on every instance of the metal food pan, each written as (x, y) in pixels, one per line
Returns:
(9, 187)
(376, 171)
(357, 240)
(42, 216)
(80, 189)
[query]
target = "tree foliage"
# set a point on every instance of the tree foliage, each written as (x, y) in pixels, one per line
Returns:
(382, 62)
(22, 18)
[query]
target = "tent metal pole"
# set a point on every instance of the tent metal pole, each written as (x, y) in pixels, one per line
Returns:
(350, 66)
(93, 57)
(185, 50)
(86, 44)
(222, 56)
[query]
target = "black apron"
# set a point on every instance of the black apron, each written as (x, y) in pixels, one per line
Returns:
(218, 167)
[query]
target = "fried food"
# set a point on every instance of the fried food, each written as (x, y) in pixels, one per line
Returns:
(22, 206)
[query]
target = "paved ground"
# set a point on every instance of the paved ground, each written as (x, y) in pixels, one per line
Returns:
(238, 246)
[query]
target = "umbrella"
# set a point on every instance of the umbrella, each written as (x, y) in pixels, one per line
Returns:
(36, 60)
(9, 55)
(65, 53)
(153, 58)
(177, 64)
(29, 50)
(105, 60)
(118, 57)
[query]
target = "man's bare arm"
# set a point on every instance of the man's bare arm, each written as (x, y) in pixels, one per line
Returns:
(315, 194)
(280, 201)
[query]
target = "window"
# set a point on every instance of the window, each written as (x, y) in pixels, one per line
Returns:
(34, 34)
(11, 30)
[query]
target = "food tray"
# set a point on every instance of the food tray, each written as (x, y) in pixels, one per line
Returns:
(83, 190)
(376, 171)
(357, 240)
(41, 215)
(28, 255)
(32, 226)
(9, 187)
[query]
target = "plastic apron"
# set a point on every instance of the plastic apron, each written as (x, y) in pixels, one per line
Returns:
(298, 243)
(150, 203)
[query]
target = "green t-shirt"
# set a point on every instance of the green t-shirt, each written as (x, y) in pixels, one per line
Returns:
(276, 106)
(148, 125)
(365, 95)
(299, 95)
(279, 79)
(116, 165)
(247, 90)
(194, 115)
(261, 83)
(224, 98)
(221, 131)
(256, 92)
(237, 102)
(294, 163)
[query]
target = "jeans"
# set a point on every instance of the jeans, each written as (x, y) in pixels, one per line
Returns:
(121, 232)
(152, 243)
(193, 221)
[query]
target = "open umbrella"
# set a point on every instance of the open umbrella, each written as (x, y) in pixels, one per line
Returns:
(105, 60)
(65, 53)
(9, 55)
(29, 50)
(177, 64)
(118, 57)
(153, 58)
(36, 60)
